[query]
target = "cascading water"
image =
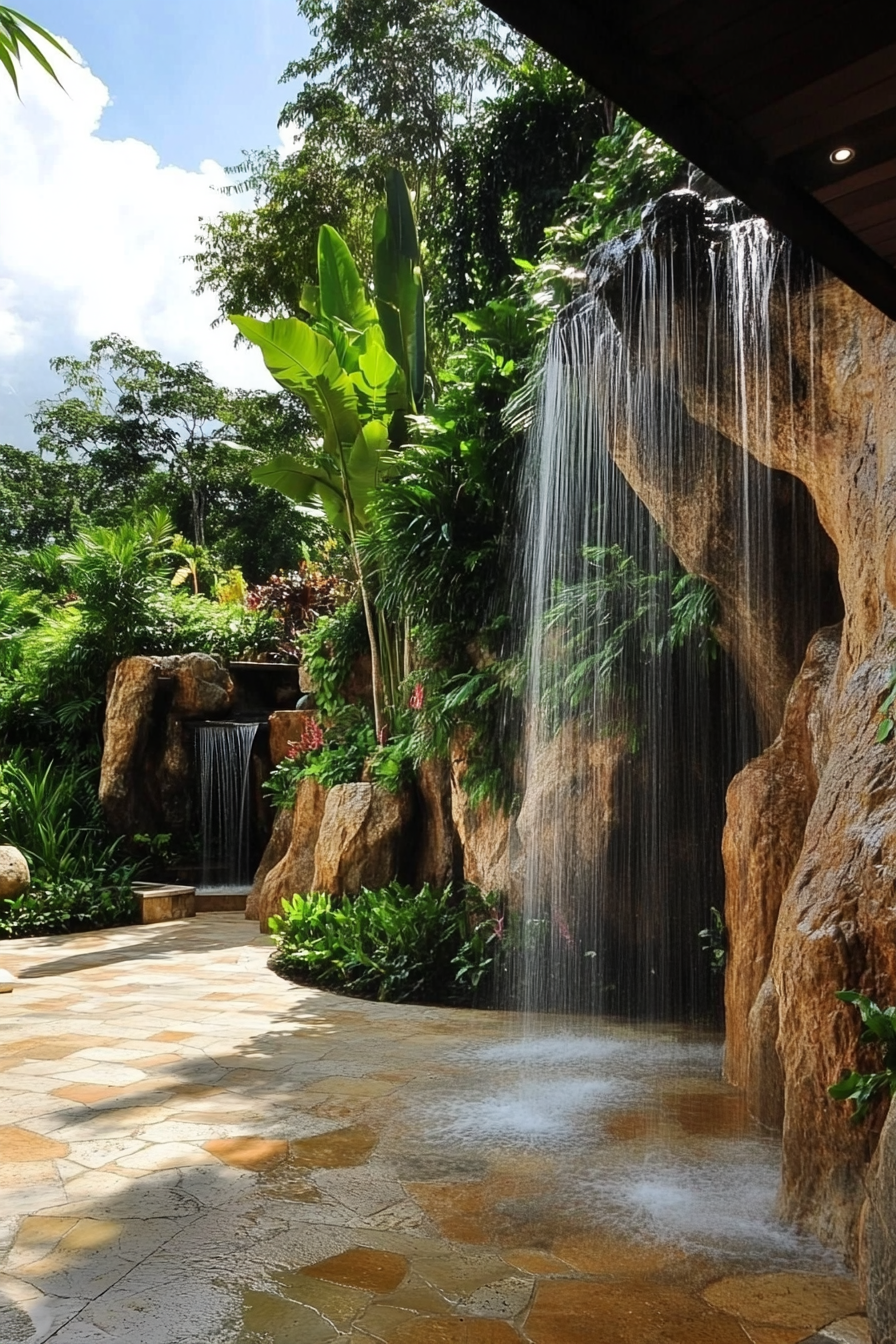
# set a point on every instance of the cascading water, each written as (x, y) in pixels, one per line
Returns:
(636, 719)
(668, 585)
(224, 753)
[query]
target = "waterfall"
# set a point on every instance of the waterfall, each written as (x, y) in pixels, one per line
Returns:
(647, 689)
(224, 753)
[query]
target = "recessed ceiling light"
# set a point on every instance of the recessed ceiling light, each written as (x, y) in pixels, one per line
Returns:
(843, 155)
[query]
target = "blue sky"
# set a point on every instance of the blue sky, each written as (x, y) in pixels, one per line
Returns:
(103, 185)
(196, 79)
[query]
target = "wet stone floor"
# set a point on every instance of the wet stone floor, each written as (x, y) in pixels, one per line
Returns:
(193, 1151)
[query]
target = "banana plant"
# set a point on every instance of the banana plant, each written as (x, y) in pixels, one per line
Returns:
(359, 367)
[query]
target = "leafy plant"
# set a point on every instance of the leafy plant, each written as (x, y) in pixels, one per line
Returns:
(359, 368)
(15, 37)
(715, 941)
(887, 721)
(392, 944)
(862, 1089)
(329, 648)
(69, 906)
(79, 877)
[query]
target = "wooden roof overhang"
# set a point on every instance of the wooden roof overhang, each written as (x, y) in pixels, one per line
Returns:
(758, 95)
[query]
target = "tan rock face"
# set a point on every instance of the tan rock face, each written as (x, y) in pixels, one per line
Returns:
(768, 806)
(837, 922)
(486, 836)
(202, 687)
(129, 703)
(360, 838)
(569, 811)
(822, 409)
(294, 872)
(286, 727)
(275, 850)
(434, 831)
(878, 1250)
(15, 875)
(145, 771)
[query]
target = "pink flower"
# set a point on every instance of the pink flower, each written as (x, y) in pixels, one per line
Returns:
(417, 696)
(312, 738)
(563, 930)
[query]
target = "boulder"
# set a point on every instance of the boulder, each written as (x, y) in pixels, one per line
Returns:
(145, 771)
(878, 1257)
(294, 872)
(275, 850)
(360, 839)
(15, 875)
(486, 834)
(203, 687)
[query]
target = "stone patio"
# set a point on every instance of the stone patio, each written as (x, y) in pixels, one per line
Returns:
(194, 1151)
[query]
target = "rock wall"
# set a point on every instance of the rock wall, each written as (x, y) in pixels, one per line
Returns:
(878, 1244)
(836, 927)
(768, 806)
(144, 776)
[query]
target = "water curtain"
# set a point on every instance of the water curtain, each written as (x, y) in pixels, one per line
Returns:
(224, 753)
(648, 688)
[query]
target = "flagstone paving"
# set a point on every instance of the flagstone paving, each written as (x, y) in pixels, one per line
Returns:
(193, 1151)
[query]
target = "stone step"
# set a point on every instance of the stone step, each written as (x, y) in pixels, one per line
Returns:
(158, 902)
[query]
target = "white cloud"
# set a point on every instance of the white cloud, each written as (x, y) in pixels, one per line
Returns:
(92, 238)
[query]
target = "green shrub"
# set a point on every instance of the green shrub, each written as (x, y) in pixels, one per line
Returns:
(69, 906)
(880, 1030)
(329, 648)
(80, 880)
(392, 944)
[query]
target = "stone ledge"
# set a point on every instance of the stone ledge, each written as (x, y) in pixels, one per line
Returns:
(158, 902)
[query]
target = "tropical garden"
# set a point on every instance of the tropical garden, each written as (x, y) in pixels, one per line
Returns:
(397, 270)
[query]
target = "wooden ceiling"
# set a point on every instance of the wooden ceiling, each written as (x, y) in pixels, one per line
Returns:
(759, 94)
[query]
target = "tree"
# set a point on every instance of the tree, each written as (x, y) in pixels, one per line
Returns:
(130, 431)
(360, 368)
(15, 30)
(387, 83)
(42, 499)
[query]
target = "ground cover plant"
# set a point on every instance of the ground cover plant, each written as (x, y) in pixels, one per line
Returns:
(393, 944)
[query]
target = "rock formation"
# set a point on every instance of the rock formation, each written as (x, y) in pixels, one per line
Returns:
(294, 871)
(810, 391)
(144, 776)
(878, 1244)
(768, 805)
(359, 843)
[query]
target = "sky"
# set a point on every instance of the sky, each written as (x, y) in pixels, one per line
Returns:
(102, 184)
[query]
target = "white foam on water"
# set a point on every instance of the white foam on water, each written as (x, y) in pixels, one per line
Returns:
(549, 1051)
(527, 1110)
(718, 1201)
(554, 1094)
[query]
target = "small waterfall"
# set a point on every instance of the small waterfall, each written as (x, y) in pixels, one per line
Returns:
(646, 688)
(224, 753)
